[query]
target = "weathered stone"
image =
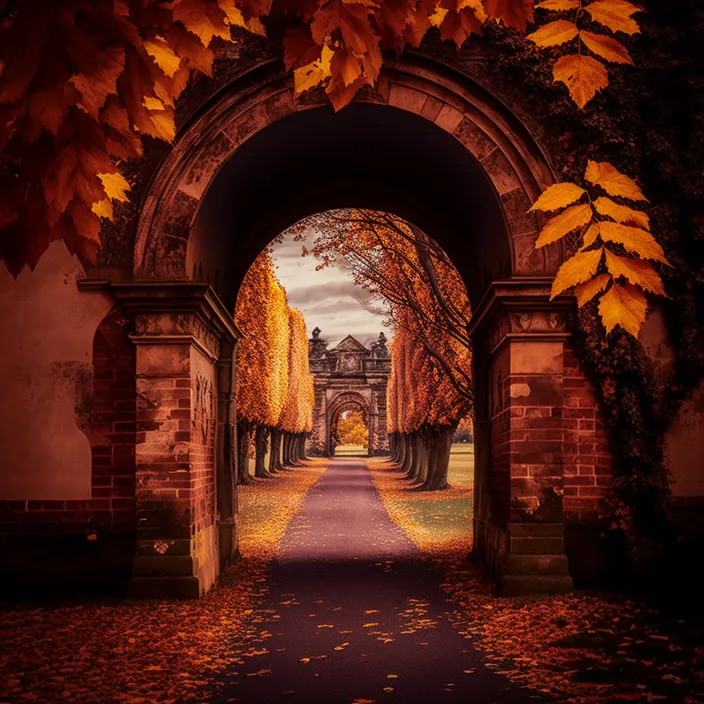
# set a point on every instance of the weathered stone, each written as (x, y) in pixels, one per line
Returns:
(348, 377)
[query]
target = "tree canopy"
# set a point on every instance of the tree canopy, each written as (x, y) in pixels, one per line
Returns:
(83, 83)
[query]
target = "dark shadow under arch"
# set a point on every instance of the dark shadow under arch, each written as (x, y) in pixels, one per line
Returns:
(368, 156)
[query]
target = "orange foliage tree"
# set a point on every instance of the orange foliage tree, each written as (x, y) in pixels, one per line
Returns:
(427, 304)
(296, 419)
(82, 83)
(274, 385)
(426, 412)
(404, 270)
(351, 429)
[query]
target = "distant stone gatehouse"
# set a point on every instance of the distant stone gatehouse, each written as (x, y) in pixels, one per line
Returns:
(349, 377)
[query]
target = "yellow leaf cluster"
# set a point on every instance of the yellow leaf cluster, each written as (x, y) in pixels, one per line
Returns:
(274, 383)
(117, 72)
(583, 74)
(596, 269)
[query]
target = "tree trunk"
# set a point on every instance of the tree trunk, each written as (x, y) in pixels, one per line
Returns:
(294, 451)
(243, 436)
(408, 455)
(411, 461)
(423, 461)
(261, 442)
(392, 446)
(401, 451)
(302, 447)
(275, 452)
(440, 446)
(418, 458)
(289, 456)
(284, 449)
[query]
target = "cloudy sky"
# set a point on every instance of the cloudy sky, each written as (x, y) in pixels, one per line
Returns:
(328, 298)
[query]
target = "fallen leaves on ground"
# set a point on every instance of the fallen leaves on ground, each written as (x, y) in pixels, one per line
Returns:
(155, 651)
(433, 520)
(581, 648)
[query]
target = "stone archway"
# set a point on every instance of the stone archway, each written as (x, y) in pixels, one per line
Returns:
(339, 403)
(430, 145)
(348, 376)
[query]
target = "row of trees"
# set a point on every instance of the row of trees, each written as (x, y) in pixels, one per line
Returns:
(274, 384)
(411, 279)
(423, 409)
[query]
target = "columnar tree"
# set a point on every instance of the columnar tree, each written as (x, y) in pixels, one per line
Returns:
(426, 411)
(262, 360)
(296, 419)
(274, 383)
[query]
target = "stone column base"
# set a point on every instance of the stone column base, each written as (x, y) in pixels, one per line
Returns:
(164, 569)
(536, 562)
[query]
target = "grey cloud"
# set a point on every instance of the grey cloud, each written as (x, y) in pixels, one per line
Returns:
(318, 292)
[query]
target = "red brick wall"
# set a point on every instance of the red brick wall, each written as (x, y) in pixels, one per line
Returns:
(204, 397)
(112, 437)
(587, 462)
(501, 436)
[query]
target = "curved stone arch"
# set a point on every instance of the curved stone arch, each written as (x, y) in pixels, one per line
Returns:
(518, 331)
(344, 401)
(514, 163)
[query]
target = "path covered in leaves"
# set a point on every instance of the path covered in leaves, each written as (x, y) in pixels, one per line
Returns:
(357, 613)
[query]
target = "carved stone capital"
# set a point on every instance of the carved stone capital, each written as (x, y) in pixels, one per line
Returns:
(519, 308)
(174, 312)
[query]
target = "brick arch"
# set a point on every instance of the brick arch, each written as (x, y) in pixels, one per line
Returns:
(492, 135)
(537, 436)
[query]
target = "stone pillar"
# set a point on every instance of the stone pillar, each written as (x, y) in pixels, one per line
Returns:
(226, 457)
(382, 436)
(372, 425)
(378, 438)
(317, 444)
(185, 495)
(518, 336)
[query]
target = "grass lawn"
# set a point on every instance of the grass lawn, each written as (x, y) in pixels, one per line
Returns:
(350, 451)
(434, 520)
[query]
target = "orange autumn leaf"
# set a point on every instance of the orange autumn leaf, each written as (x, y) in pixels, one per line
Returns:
(614, 14)
(576, 270)
(624, 306)
(554, 33)
(583, 76)
(627, 227)
(556, 228)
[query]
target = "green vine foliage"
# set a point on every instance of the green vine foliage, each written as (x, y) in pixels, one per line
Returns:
(649, 123)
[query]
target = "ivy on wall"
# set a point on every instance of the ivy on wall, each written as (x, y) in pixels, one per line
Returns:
(649, 123)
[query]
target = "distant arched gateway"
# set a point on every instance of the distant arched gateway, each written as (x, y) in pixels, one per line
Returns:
(349, 377)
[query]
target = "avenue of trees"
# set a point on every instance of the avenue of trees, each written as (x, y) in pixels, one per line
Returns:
(410, 277)
(274, 384)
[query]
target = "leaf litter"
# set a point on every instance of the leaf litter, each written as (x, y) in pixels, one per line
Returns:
(152, 651)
